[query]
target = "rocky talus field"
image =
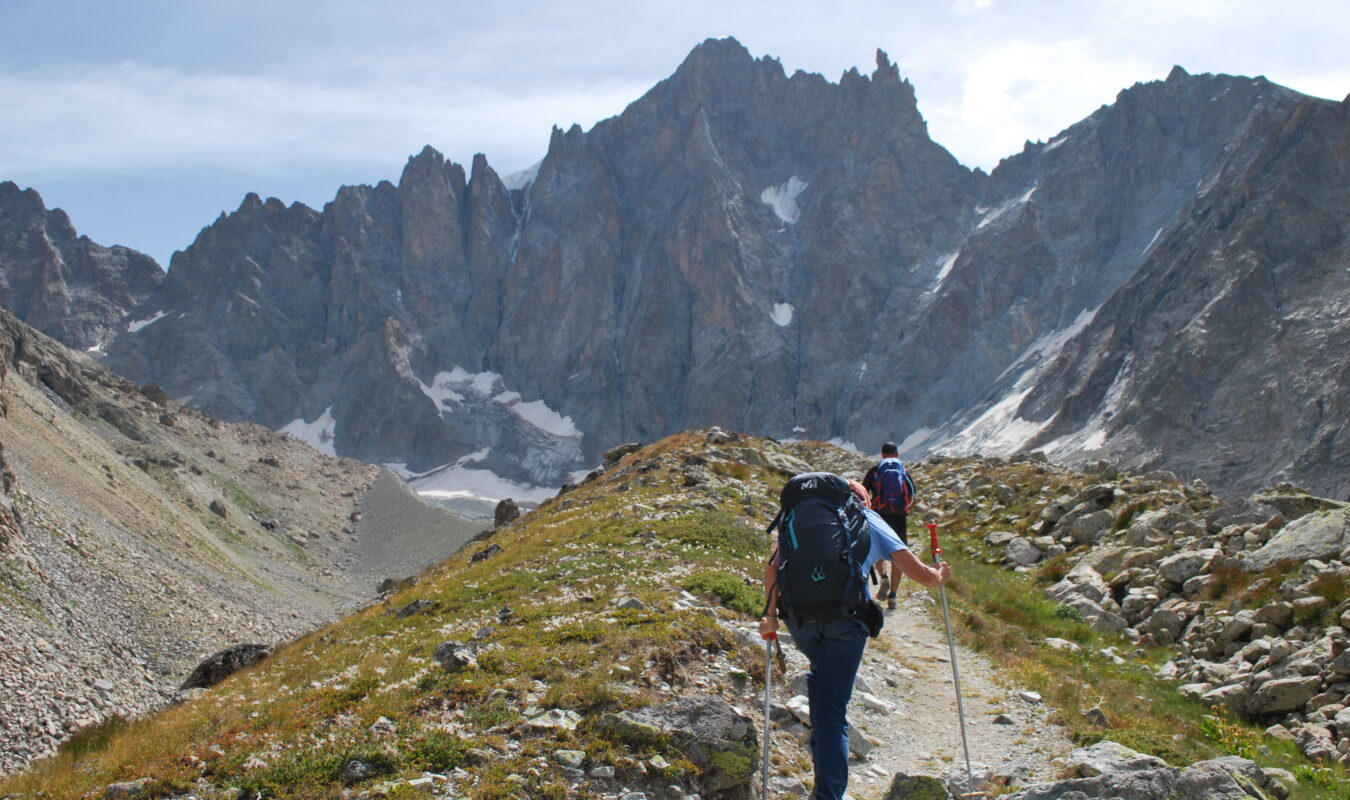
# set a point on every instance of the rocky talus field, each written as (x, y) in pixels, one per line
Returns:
(139, 536)
(602, 646)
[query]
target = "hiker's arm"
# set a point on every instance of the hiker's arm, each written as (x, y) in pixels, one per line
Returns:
(769, 622)
(911, 566)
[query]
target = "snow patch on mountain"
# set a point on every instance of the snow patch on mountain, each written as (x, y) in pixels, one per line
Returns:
(136, 325)
(944, 269)
(782, 314)
(524, 177)
(844, 444)
(1011, 205)
(538, 414)
(318, 434)
(440, 391)
(1000, 430)
(449, 390)
(1093, 436)
(458, 481)
(915, 439)
(783, 198)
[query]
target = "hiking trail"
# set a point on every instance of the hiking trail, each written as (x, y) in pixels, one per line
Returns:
(908, 666)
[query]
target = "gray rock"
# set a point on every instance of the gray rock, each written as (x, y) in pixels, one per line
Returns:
(705, 729)
(915, 787)
(1164, 625)
(1293, 503)
(1092, 527)
(1121, 774)
(1186, 565)
(1155, 527)
(1318, 535)
(506, 512)
(222, 665)
(1234, 698)
(614, 454)
(1022, 551)
(127, 790)
(1278, 613)
(456, 655)
(1283, 695)
(554, 719)
(1316, 742)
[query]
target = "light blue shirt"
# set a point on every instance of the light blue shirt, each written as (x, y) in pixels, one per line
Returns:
(884, 540)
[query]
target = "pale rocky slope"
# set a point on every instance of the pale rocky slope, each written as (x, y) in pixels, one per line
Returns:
(139, 536)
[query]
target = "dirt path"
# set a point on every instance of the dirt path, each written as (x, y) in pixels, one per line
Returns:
(909, 667)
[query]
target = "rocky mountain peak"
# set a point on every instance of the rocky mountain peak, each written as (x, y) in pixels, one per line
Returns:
(713, 53)
(784, 254)
(62, 283)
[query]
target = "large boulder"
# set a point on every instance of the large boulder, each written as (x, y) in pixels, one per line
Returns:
(506, 512)
(1294, 503)
(1321, 535)
(224, 664)
(1092, 527)
(1156, 527)
(1022, 551)
(1183, 566)
(1084, 590)
(1283, 695)
(1164, 625)
(916, 787)
(1109, 770)
(718, 739)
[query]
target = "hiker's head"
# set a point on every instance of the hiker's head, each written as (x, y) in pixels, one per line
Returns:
(859, 490)
(889, 449)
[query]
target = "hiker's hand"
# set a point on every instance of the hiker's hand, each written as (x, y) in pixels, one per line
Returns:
(768, 627)
(944, 572)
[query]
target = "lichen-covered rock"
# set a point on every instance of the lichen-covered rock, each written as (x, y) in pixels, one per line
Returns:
(1322, 535)
(717, 738)
(1109, 771)
(1283, 695)
(916, 787)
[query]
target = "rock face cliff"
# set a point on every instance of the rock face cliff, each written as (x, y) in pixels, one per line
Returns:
(793, 257)
(61, 283)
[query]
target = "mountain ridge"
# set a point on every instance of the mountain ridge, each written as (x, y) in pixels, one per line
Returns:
(776, 253)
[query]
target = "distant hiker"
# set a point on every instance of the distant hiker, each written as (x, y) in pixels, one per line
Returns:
(892, 492)
(815, 579)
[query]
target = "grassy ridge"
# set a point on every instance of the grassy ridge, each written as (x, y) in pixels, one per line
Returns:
(289, 727)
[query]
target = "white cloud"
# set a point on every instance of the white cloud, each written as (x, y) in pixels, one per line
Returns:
(966, 8)
(1025, 89)
(133, 117)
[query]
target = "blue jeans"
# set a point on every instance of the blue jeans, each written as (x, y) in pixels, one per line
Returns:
(835, 650)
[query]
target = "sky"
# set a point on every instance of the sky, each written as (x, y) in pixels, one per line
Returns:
(145, 119)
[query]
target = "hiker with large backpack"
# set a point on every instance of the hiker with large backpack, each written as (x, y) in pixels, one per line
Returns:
(892, 493)
(816, 580)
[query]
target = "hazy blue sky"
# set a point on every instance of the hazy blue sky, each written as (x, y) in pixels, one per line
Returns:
(144, 119)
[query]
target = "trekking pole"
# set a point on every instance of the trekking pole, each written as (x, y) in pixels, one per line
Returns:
(768, 683)
(951, 645)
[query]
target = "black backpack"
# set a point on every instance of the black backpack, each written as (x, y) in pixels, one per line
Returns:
(822, 542)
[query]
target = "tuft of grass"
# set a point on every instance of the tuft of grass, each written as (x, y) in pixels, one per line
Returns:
(730, 589)
(438, 751)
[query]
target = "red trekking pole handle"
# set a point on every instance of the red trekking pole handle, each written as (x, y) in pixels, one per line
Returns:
(933, 543)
